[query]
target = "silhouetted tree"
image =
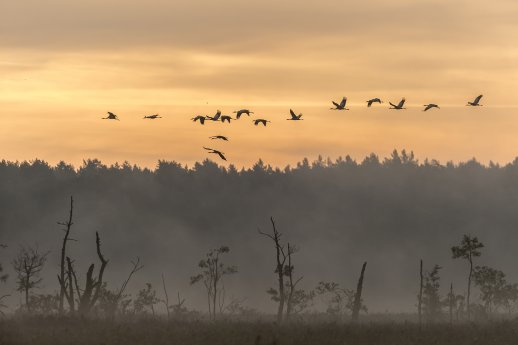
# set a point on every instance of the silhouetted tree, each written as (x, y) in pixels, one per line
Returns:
(451, 303)
(146, 299)
(3, 276)
(88, 295)
(278, 294)
(62, 279)
(44, 304)
(432, 304)
(358, 295)
(213, 271)
(3, 279)
(339, 301)
(420, 295)
(468, 249)
(495, 290)
(166, 300)
(28, 265)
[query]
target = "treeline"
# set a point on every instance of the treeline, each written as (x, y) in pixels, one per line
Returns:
(389, 211)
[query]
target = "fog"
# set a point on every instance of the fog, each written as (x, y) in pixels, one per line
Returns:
(389, 212)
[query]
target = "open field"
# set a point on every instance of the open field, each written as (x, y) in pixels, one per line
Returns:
(56, 331)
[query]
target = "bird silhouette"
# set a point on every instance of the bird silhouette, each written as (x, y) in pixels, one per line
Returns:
(373, 100)
(475, 103)
(219, 153)
(226, 118)
(241, 112)
(152, 117)
(200, 118)
(215, 117)
(399, 106)
(430, 106)
(222, 137)
(111, 116)
(258, 121)
(340, 106)
(295, 117)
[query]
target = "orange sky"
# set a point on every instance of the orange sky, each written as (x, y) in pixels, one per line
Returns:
(63, 65)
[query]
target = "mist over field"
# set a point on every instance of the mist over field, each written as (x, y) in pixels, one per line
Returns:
(390, 212)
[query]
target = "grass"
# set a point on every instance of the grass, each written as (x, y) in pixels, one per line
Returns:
(56, 331)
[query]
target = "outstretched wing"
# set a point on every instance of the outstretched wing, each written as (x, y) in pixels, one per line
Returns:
(336, 104)
(293, 115)
(401, 103)
(369, 102)
(343, 102)
(208, 149)
(477, 99)
(392, 104)
(221, 155)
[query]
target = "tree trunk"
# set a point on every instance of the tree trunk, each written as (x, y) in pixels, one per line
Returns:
(468, 311)
(452, 297)
(358, 296)
(280, 273)
(27, 302)
(420, 296)
(63, 255)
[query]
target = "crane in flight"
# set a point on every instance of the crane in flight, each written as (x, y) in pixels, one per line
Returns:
(373, 100)
(430, 106)
(200, 118)
(241, 112)
(399, 106)
(295, 117)
(221, 137)
(215, 117)
(111, 116)
(475, 103)
(340, 106)
(219, 153)
(226, 118)
(152, 117)
(263, 121)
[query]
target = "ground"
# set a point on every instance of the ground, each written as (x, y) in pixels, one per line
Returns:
(56, 331)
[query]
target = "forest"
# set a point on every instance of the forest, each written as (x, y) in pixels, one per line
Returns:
(378, 240)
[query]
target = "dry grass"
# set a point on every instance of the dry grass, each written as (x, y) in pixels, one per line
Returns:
(56, 331)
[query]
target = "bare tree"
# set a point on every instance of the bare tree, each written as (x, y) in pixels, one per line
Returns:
(213, 271)
(166, 300)
(28, 264)
(113, 301)
(63, 282)
(451, 303)
(89, 295)
(291, 283)
(3, 279)
(358, 296)
(420, 296)
(469, 248)
(281, 258)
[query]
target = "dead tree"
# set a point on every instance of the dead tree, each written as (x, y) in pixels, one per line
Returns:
(166, 301)
(61, 278)
(420, 296)
(28, 265)
(358, 296)
(280, 260)
(451, 303)
(291, 284)
(88, 296)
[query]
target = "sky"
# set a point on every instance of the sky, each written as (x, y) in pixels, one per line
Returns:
(64, 64)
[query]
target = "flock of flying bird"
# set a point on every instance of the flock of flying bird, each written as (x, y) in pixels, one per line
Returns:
(294, 116)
